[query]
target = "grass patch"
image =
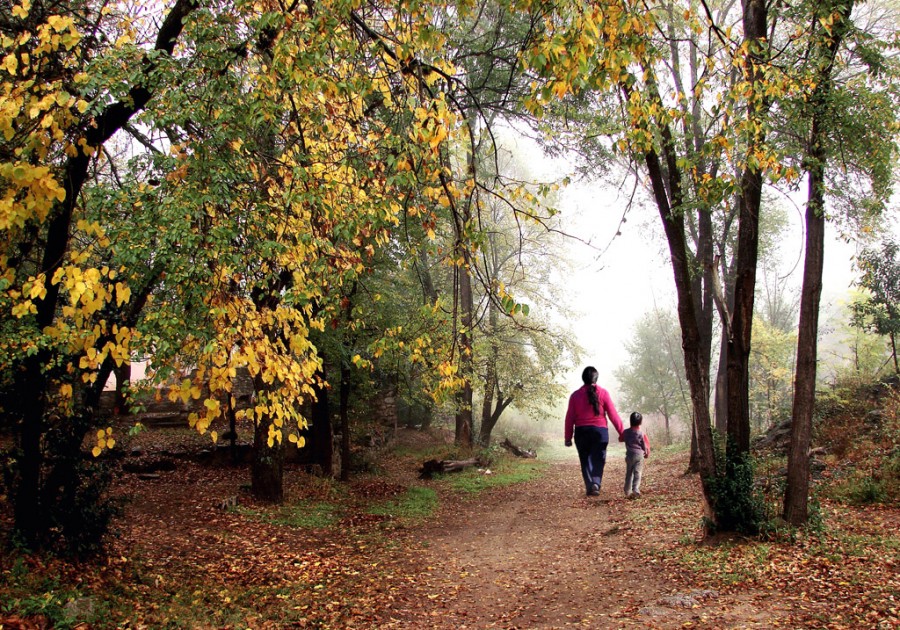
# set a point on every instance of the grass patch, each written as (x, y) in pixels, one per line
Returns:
(415, 503)
(725, 563)
(41, 593)
(506, 473)
(676, 448)
(861, 490)
(301, 515)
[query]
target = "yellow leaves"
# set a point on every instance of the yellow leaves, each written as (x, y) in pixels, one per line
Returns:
(275, 435)
(59, 23)
(24, 308)
(560, 89)
(105, 440)
(212, 406)
(440, 133)
(10, 63)
(298, 440)
(123, 293)
(29, 193)
(21, 10)
(35, 289)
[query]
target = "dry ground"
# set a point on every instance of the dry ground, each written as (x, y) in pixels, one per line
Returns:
(537, 554)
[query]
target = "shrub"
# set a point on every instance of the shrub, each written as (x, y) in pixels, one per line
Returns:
(738, 503)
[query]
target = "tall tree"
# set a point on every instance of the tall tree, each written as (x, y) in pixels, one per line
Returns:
(55, 122)
(217, 245)
(818, 111)
(621, 57)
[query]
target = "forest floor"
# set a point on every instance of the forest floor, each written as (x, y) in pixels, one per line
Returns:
(521, 547)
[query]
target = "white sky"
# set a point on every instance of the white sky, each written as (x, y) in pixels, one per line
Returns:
(632, 273)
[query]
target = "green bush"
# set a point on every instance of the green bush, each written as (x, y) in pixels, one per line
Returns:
(738, 504)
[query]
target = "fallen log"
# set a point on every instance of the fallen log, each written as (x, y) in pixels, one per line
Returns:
(435, 467)
(517, 451)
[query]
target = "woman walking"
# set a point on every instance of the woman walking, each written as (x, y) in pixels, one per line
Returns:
(589, 408)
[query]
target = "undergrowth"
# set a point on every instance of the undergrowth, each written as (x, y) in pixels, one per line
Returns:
(505, 473)
(413, 504)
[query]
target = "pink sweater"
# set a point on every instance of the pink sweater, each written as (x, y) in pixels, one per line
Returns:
(581, 413)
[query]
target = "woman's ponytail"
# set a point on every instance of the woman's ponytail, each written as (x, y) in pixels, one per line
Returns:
(589, 376)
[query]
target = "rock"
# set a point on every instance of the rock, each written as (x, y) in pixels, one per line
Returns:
(654, 611)
(776, 437)
(686, 600)
(79, 608)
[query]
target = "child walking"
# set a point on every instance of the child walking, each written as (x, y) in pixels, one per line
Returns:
(637, 449)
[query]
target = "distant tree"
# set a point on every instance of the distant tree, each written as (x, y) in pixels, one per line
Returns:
(850, 353)
(879, 310)
(771, 373)
(652, 379)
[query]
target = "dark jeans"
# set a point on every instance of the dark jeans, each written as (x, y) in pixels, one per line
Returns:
(591, 443)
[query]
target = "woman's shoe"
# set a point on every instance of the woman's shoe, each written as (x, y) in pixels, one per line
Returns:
(594, 491)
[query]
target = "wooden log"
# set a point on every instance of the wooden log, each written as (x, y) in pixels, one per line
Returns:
(517, 451)
(433, 466)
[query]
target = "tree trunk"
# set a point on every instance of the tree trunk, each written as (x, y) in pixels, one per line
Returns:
(320, 430)
(797, 488)
(345, 419)
(738, 373)
(488, 424)
(344, 403)
(488, 419)
(464, 398)
(29, 402)
(796, 495)
(123, 379)
(696, 371)
(231, 414)
(490, 386)
(894, 353)
(755, 20)
(694, 462)
(267, 471)
(721, 395)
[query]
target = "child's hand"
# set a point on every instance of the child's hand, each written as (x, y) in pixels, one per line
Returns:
(568, 442)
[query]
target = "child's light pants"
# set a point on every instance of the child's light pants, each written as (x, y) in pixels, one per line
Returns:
(634, 466)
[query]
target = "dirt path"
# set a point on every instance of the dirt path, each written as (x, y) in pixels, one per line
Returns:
(542, 555)
(534, 555)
